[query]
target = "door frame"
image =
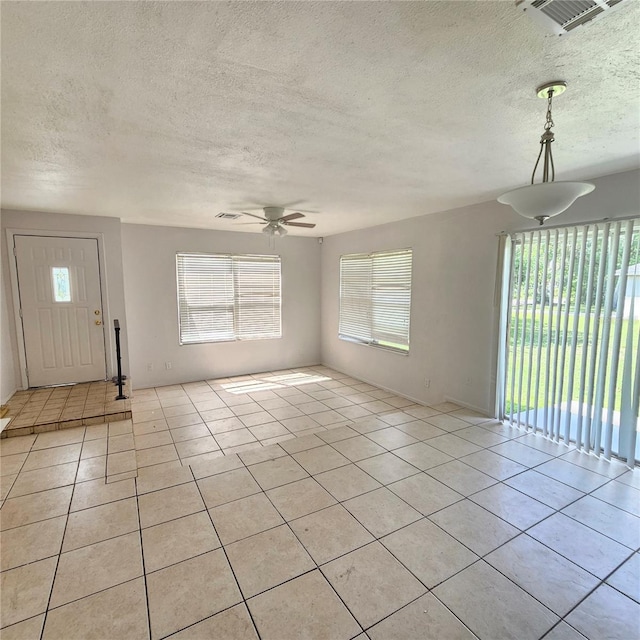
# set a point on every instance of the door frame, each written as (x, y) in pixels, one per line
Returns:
(503, 305)
(109, 344)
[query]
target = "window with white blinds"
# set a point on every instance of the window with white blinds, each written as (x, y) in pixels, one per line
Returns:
(228, 297)
(375, 298)
(572, 356)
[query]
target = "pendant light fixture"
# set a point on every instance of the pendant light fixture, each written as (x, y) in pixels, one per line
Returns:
(547, 198)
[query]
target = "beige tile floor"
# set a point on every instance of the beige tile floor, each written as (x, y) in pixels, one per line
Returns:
(306, 504)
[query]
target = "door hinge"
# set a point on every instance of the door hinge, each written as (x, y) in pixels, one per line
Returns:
(26, 372)
(20, 312)
(15, 252)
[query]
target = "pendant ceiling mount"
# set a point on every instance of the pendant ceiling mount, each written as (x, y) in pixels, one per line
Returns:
(548, 198)
(557, 86)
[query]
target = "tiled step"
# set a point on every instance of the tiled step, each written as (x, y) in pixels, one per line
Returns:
(52, 408)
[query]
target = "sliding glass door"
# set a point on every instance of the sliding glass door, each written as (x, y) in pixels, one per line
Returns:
(571, 363)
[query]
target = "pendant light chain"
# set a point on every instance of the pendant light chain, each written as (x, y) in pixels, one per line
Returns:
(545, 145)
(549, 123)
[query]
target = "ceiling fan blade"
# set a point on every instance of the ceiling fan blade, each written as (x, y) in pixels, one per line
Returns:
(291, 216)
(238, 223)
(249, 204)
(244, 213)
(289, 205)
(308, 225)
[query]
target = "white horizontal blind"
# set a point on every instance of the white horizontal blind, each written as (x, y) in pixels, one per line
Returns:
(257, 296)
(205, 297)
(227, 297)
(355, 297)
(375, 298)
(573, 343)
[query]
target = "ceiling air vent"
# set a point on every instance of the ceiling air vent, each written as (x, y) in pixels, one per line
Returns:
(562, 16)
(228, 216)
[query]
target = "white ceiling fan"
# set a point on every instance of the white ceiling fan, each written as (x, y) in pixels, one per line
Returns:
(275, 221)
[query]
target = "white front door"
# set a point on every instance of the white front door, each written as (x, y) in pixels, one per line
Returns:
(61, 309)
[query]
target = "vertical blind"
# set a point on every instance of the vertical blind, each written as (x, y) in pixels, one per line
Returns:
(573, 337)
(375, 298)
(228, 297)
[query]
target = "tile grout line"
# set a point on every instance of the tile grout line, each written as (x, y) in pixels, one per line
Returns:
(602, 581)
(301, 543)
(59, 555)
(429, 592)
(222, 546)
(144, 569)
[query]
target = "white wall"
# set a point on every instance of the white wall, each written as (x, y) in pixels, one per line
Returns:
(453, 318)
(108, 231)
(149, 255)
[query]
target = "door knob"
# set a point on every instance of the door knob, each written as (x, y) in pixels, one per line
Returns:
(97, 312)
(98, 322)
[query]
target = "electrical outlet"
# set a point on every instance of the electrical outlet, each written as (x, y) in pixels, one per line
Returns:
(427, 382)
(149, 366)
(167, 365)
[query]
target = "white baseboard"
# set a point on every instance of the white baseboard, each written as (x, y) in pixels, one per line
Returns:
(483, 410)
(376, 384)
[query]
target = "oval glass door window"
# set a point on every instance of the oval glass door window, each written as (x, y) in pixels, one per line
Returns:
(61, 284)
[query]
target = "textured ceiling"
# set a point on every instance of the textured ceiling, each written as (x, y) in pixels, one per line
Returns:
(169, 112)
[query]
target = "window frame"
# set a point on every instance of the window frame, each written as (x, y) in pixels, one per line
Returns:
(234, 305)
(374, 338)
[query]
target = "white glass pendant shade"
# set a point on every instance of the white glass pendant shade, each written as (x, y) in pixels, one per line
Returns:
(545, 200)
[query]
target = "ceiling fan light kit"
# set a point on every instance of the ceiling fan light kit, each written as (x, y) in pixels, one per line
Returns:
(274, 229)
(548, 198)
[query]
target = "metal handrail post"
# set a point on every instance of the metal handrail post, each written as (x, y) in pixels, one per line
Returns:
(120, 396)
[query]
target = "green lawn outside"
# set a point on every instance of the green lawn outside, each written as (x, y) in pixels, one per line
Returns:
(545, 330)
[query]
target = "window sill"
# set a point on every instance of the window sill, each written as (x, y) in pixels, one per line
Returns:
(227, 340)
(377, 345)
